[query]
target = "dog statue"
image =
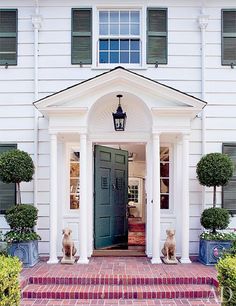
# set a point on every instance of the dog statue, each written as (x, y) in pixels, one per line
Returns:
(68, 247)
(169, 249)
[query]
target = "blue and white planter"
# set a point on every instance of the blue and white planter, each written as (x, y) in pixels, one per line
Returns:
(26, 251)
(210, 250)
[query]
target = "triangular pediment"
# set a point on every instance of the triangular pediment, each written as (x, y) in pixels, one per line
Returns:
(80, 97)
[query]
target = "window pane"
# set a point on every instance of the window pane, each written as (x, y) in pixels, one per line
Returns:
(114, 57)
(135, 16)
(134, 29)
(124, 29)
(134, 57)
(164, 154)
(114, 44)
(164, 169)
(114, 29)
(134, 45)
(103, 57)
(164, 201)
(124, 44)
(124, 57)
(103, 16)
(103, 44)
(124, 16)
(229, 50)
(114, 16)
(103, 29)
(164, 185)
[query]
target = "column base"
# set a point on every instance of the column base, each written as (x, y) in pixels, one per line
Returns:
(156, 261)
(83, 261)
(185, 260)
(52, 261)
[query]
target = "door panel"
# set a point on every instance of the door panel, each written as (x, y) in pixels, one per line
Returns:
(111, 197)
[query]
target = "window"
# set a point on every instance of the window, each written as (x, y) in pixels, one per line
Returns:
(7, 191)
(8, 37)
(165, 177)
(157, 36)
(74, 180)
(81, 36)
(229, 191)
(119, 37)
(228, 37)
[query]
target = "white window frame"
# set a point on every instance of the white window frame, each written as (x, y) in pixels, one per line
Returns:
(142, 37)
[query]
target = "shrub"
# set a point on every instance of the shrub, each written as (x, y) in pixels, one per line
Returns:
(215, 219)
(16, 166)
(21, 218)
(10, 268)
(226, 268)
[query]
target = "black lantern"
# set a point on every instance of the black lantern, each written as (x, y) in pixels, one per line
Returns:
(119, 117)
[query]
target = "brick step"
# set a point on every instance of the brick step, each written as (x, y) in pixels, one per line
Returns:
(137, 227)
(117, 292)
(119, 280)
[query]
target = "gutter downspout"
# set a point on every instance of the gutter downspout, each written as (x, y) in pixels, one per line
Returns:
(203, 22)
(36, 21)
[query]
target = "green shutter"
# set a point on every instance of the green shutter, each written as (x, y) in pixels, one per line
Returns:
(8, 37)
(228, 37)
(229, 191)
(7, 191)
(81, 42)
(157, 36)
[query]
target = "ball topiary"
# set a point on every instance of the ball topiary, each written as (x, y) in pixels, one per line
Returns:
(22, 216)
(16, 166)
(215, 219)
(214, 169)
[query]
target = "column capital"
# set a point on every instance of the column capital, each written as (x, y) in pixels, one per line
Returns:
(156, 135)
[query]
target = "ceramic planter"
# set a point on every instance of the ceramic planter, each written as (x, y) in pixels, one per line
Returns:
(26, 251)
(211, 250)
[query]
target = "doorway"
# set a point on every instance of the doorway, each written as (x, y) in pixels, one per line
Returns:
(119, 199)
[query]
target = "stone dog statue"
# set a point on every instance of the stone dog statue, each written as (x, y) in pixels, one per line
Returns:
(68, 247)
(169, 249)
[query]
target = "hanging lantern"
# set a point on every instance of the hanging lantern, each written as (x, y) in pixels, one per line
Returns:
(119, 118)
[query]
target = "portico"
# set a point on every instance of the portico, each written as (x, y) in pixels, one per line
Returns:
(157, 115)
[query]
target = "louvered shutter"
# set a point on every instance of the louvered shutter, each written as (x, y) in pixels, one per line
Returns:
(157, 36)
(7, 191)
(81, 36)
(229, 191)
(228, 37)
(8, 37)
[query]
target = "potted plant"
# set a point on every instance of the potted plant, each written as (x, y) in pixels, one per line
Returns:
(214, 169)
(16, 166)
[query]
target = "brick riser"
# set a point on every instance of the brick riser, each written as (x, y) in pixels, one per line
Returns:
(116, 292)
(116, 280)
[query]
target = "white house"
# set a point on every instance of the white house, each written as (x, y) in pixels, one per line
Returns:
(65, 68)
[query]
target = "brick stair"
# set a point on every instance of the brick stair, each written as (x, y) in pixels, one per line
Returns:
(117, 287)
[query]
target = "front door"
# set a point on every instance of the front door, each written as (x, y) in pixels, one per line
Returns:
(111, 197)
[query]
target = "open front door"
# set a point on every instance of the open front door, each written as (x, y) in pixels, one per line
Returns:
(111, 197)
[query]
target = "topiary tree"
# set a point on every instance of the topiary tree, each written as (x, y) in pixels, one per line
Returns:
(214, 169)
(215, 218)
(16, 166)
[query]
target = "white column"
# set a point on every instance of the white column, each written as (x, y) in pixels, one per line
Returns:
(156, 212)
(185, 200)
(53, 200)
(83, 224)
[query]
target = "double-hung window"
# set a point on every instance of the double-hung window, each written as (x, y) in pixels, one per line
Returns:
(156, 36)
(119, 37)
(229, 191)
(8, 37)
(228, 37)
(7, 191)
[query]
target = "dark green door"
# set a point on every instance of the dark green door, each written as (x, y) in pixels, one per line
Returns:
(111, 197)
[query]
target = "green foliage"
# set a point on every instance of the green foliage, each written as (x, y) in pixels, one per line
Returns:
(215, 219)
(10, 268)
(16, 166)
(226, 268)
(214, 169)
(218, 236)
(22, 216)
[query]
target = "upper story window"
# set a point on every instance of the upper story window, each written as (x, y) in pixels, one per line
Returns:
(8, 37)
(119, 37)
(81, 41)
(228, 37)
(156, 36)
